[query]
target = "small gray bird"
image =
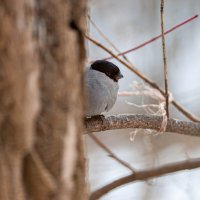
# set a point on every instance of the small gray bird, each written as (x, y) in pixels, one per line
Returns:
(101, 87)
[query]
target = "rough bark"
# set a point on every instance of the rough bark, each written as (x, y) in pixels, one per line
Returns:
(41, 63)
(18, 94)
(124, 121)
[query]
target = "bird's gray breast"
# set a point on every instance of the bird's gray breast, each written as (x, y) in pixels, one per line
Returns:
(101, 92)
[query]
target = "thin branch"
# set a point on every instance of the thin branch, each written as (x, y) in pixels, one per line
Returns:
(164, 58)
(102, 34)
(106, 38)
(111, 154)
(147, 174)
(132, 68)
(113, 122)
(153, 39)
(146, 79)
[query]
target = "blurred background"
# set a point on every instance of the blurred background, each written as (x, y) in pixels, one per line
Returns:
(127, 24)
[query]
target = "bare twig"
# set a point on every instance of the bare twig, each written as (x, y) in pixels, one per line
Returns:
(111, 154)
(164, 58)
(106, 38)
(146, 79)
(147, 174)
(132, 68)
(141, 121)
(102, 34)
(153, 39)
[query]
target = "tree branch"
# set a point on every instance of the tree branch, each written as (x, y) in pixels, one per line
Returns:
(124, 121)
(111, 154)
(146, 174)
(164, 58)
(107, 39)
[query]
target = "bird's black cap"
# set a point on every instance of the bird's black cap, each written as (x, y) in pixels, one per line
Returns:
(108, 68)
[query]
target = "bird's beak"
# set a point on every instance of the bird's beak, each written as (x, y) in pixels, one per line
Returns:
(119, 76)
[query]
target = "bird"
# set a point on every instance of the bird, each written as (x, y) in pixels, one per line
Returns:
(101, 81)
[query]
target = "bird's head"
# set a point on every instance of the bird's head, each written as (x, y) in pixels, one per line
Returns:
(108, 68)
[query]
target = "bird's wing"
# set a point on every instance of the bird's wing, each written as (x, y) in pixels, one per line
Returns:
(96, 94)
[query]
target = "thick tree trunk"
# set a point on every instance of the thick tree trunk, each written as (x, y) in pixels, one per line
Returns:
(41, 100)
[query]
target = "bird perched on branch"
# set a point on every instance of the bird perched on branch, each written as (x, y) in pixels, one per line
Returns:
(101, 87)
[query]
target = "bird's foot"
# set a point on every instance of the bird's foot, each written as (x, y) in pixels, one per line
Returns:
(101, 117)
(97, 117)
